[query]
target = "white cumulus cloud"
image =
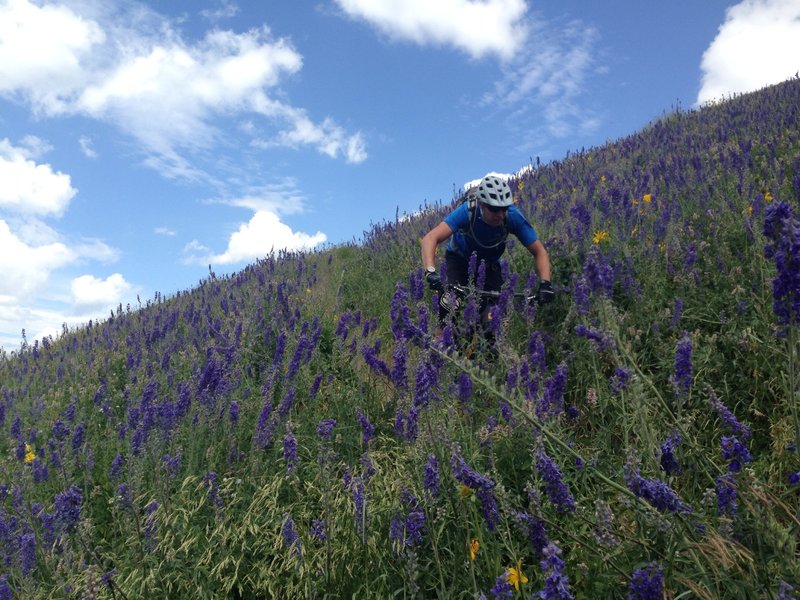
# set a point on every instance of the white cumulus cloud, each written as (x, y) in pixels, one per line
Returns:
(477, 27)
(25, 267)
(90, 292)
(31, 188)
(262, 235)
(757, 45)
(130, 67)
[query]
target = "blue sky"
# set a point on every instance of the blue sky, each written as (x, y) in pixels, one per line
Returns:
(141, 142)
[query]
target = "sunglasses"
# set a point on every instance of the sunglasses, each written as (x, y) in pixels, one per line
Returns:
(494, 209)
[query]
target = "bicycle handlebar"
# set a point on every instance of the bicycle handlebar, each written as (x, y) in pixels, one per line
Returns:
(464, 291)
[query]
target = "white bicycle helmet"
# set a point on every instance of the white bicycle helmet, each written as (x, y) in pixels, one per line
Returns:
(494, 191)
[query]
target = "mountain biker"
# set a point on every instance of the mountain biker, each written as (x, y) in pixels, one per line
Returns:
(481, 225)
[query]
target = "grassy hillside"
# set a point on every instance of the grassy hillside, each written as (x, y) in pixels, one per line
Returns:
(293, 431)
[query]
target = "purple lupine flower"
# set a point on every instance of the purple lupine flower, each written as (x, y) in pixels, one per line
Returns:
(233, 413)
(471, 316)
(537, 353)
(727, 502)
(423, 324)
(668, 460)
(794, 478)
(287, 403)
(294, 364)
(783, 231)
(581, 296)
(556, 583)
(416, 285)
(124, 497)
(77, 437)
(654, 491)
(480, 278)
(264, 426)
(785, 590)
(398, 311)
(116, 467)
(396, 525)
(27, 550)
(604, 525)
(184, 400)
(290, 452)
(400, 365)
(464, 388)
(67, 508)
(552, 401)
(368, 467)
(682, 380)
(425, 382)
(318, 531)
(415, 527)
(375, 363)
(600, 340)
(399, 423)
(472, 265)
(60, 430)
(290, 538)
(599, 274)
(280, 348)
(108, 578)
(325, 428)
(482, 486)
(502, 589)
(735, 453)
(431, 479)
(729, 421)
(536, 532)
(646, 583)
(40, 472)
(557, 491)
(367, 428)
(411, 426)
(506, 411)
(21, 450)
(677, 313)
(359, 501)
(619, 380)
(448, 338)
(5, 589)
(312, 393)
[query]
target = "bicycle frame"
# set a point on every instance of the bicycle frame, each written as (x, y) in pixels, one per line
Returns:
(463, 291)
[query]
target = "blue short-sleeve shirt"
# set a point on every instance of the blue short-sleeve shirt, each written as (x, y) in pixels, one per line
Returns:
(487, 241)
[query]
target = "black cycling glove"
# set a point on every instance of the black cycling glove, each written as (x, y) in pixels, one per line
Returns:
(434, 281)
(545, 293)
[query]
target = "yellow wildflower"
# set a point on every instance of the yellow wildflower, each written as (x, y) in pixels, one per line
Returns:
(749, 210)
(520, 186)
(647, 198)
(474, 545)
(464, 491)
(514, 575)
(600, 236)
(602, 178)
(768, 197)
(30, 455)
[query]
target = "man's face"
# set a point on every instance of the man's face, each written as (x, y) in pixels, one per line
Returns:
(493, 215)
